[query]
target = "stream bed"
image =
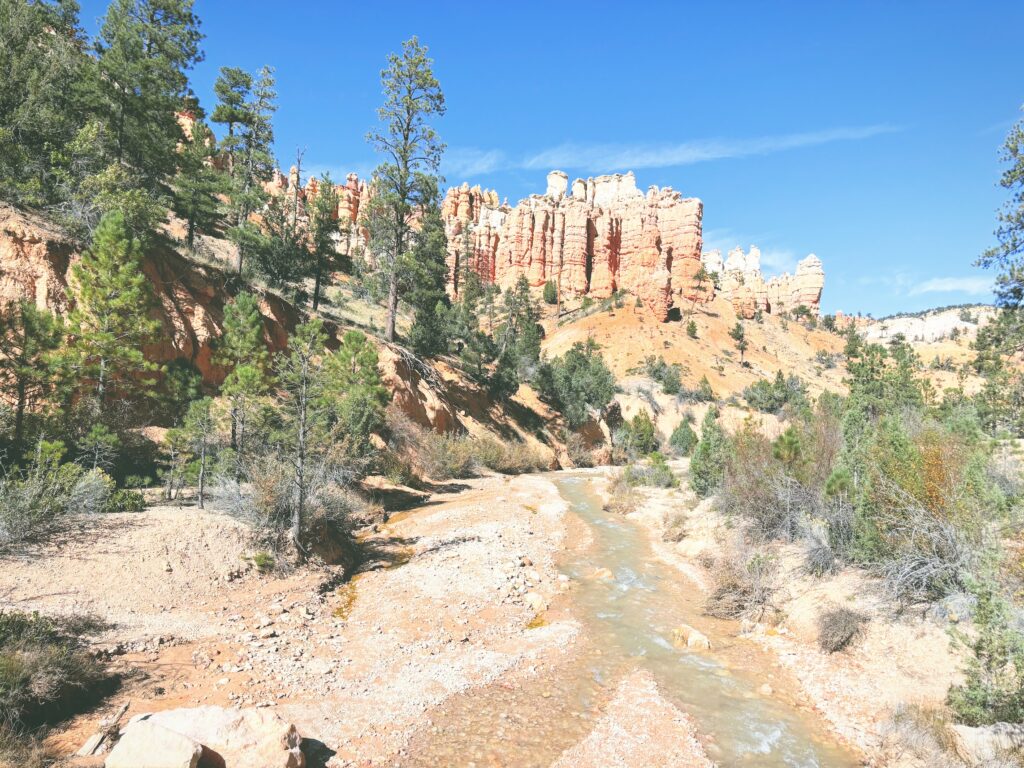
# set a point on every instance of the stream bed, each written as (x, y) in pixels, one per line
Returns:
(627, 624)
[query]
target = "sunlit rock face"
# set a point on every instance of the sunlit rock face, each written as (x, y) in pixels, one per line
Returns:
(592, 237)
(742, 283)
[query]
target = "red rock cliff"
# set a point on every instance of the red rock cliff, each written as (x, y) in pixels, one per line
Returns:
(600, 236)
(36, 258)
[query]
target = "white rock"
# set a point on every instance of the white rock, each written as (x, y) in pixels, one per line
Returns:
(148, 745)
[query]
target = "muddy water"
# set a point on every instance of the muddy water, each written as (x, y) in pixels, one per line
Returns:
(627, 624)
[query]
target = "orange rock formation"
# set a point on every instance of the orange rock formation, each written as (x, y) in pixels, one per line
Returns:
(597, 237)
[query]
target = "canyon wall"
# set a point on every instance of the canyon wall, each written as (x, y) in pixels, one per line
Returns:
(742, 283)
(595, 237)
(35, 263)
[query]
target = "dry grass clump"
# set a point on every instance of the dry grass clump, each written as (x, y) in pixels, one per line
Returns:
(623, 498)
(745, 583)
(837, 627)
(448, 456)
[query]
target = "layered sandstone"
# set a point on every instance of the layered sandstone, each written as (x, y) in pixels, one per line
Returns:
(35, 264)
(593, 238)
(741, 282)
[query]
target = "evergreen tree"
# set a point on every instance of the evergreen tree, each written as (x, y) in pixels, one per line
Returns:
(243, 350)
(42, 105)
(738, 334)
(304, 411)
(198, 184)
(323, 228)
(252, 156)
(707, 467)
(280, 253)
(144, 50)
(102, 358)
(1005, 336)
(354, 390)
(28, 336)
(233, 89)
(406, 182)
(426, 294)
(198, 432)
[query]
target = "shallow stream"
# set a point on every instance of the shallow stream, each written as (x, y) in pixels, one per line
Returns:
(627, 622)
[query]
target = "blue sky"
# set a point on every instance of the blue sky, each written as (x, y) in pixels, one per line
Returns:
(867, 132)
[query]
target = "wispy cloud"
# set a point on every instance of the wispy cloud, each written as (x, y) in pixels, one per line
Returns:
(974, 286)
(469, 161)
(604, 157)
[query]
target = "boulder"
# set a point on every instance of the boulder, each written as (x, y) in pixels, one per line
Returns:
(148, 745)
(977, 746)
(239, 737)
(685, 636)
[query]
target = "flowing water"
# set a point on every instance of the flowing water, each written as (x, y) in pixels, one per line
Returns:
(627, 623)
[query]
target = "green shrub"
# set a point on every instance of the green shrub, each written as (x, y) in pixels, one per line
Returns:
(125, 500)
(264, 561)
(772, 396)
(683, 439)
(707, 467)
(691, 329)
(993, 687)
(638, 436)
(35, 501)
(550, 292)
(44, 673)
(653, 472)
(576, 382)
(669, 376)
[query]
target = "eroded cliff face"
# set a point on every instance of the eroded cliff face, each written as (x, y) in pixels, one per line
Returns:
(35, 263)
(596, 237)
(742, 283)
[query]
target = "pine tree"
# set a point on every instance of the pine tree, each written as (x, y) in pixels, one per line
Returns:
(406, 182)
(323, 228)
(233, 89)
(28, 336)
(1006, 334)
(304, 411)
(354, 390)
(144, 51)
(42, 104)
(243, 351)
(738, 334)
(197, 185)
(426, 293)
(253, 160)
(102, 358)
(707, 467)
(198, 431)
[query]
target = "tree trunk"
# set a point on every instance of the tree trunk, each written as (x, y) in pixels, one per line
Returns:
(389, 331)
(202, 474)
(19, 418)
(316, 284)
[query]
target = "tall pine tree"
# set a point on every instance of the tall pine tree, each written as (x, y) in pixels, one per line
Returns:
(405, 184)
(103, 359)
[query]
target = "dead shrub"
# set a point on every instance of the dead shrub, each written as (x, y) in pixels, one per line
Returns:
(576, 447)
(623, 498)
(675, 528)
(837, 627)
(745, 583)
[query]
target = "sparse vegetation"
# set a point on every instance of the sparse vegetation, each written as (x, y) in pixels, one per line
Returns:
(837, 627)
(653, 471)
